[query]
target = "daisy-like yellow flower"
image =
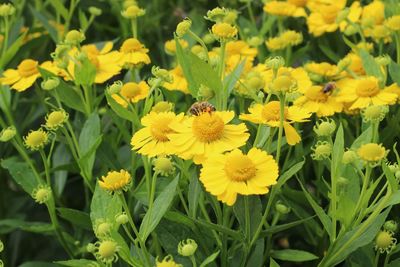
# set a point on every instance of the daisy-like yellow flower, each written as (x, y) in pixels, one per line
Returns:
(393, 23)
(269, 114)
(372, 153)
(316, 101)
(291, 8)
(325, 70)
(168, 261)
(179, 81)
(286, 39)
(234, 173)
(115, 181)
(241, 48)
(170, 46)
(381, 33)
(36, 140)
(323, 17)
(134, 53)
(224, 31)
(131, 92)
(199, 136)
(364, 92)
(355, 64)
(154, 139)
(372, 14)
(23, 77)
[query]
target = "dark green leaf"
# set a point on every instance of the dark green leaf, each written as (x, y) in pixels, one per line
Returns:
(77, 263)
(21, 173)
(104, 206)
(194, 193)
(371, 67)
(10, 225)
(45, 22)
(394, 70)
(210, 259)
(88, 142)
(293, 255)
(76, 217)
(118, 109)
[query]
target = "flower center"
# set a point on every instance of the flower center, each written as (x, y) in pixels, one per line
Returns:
(114, 178)
(107, 249)
(239, 168)
(130, 90)
(271, 111)
(36, 138)
(371, 152)
(55, 118)
(367, 88)
(131, 45)
(315, 93)
(28, 67)
(208, 127)
(160, 129)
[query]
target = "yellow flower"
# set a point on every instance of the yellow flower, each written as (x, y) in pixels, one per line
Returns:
(106, 251)
(372, 153)
(56, 119)
(326, 70)
(240, 48)
(131, 92)
(154, 138)
(115, 181)
(36, 140)
(316, 101)
(179, 81)
(227, 175)
(170, 46)
(292, 8)
(199, 136)
(287, 38)
(269, 114)
(356, 65)
(373, 14)
(23, 77)
(168, 261)
(364, 92)
(134, 53)
(380, 32)
(354, 15)
(323, 17)
(393, 23)
(224, 31)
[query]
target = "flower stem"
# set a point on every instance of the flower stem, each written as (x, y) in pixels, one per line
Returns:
(46, 166)
(193, 260)
(280, 131)
(201, 42)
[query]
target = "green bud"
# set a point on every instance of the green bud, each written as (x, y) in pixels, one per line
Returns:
(322, 150)
(122, 218)
(349, 157)
(90, 247)
(205, 92)
(115, 88)
(391, 226)
(187, 247)
(1, 246)
(325, 128)
(383, 60)
(7, 134)
(74, 37)
(162, 74)
(255, 41)
(42, 194)
(6, 10)
(275, 62)
(183, 27)
(281, 208)
(95, 11)
(133, 12)
(217, 14)
(50, 84)
(397, 174)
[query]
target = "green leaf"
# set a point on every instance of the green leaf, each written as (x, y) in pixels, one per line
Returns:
(84, 72)
(256, 258)
(104, 206)
(5, 99)
(160, 207)
(12, 51)
(323, 217)
(293, 255)
(88, 142)
(254, 205)
(10, 225)
(21, 173)
(194, 193)
(185, 65)
(390, 177)
(363, 138)
(83, 20)
(37, 264)
(273, 263)
(337, 152)
(124, 251)
(288, 174)
(394, 71)
(282, 227)
(210, 259)
(77, 263)
(371, 67)
(76, 217)
(60, 157)
(118, 109)
(231, 80)
(59, 6)
(45, 22)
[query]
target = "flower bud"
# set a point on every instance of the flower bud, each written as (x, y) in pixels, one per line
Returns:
(122, 218)
(231, 16)
(397, 175)
(74, 37)
(255, 41)
(163, 166)
(42, 194)
(374, 113)
(50, 83)
(208, 38)
(322, 150)
(283, 84)
(163, 106)
(385, 242)
(6, 10)
(187, 247)
(115, 88)
(102, 229)
(95, 11)
(1, 246)
(275, 62)
(349, 157)
(106, 251)
(383, 60)
(223, 31)
(183, 27)
(7, 134)
(391, 226)
(217, 14)
(325, 128)
(281, 208)
(162, 74)
(343, 14)
(205, 92)
(393, 167)
(133, 12)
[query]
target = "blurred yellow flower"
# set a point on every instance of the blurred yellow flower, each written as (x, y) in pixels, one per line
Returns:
(114, 181)
(393, 23)
(224, 31)
(23, 77)
(168, 261)
(134, 53)
(199, 136)
(131, 92)
(179, 81)
(269, 114)
(234, 173)
(154, 138)
(170, 46)
(323, 17)
(286, 39)
(371, 152)
(325, 70)
(241, 48)
(292, 8)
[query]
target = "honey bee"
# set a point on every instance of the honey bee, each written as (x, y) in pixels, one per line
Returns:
(328, 88)
(200, 107)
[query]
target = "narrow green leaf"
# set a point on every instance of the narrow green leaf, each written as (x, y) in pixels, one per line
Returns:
(160, 207)
(293, 255)
(87, 140)
(183, 61)
(273, 263)
(77, 263)
(12, 50)
(45, 22)
(118, 109)
(394, 71)
(254, 212)
(76, 217)
(288, 174)
(194, 193)
(10, 225)
(59, 6)
(60, 157)
(21, 173)
(363, 138)
(231, 80)
(337, 152)
(84, 72)
(371, 67)
(210, 259)
(282, 227)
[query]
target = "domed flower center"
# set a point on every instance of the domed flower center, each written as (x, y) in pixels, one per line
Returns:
(55, 118)
(271, 111)
(160, 129)
(107, 249)
(130, 90)
(367, 88)
(371, 152)
(315, 93)
(115, 178)
(208, 127)
(239, 168)
(131, 45)
(28, 67)
(36, 138)
(299, 3)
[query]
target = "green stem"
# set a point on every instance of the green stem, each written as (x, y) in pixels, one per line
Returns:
(333, 195)
(376, 260)
(46, 166)
(193, 260)
(207, 217)
(152, 192)
(5, 40)
(247, 218)
(201, 42)
(361, 201)
(251, 14)
(221, 69)
(134, 28)
(397, 36)
(280, 131)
